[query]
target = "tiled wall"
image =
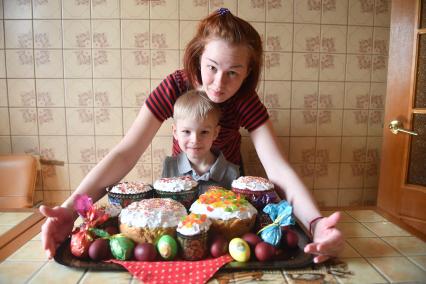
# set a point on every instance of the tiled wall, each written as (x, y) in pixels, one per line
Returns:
(74, 73)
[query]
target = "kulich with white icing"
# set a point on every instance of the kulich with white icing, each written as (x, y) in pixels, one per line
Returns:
(175, 184)
(130, 187)
(252, 183)
(194, 224)
(223, 204)
(153, 213)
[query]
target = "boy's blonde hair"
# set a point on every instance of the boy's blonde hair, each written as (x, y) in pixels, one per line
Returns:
(195, 104)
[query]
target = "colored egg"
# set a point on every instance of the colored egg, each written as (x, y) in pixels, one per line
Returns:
(167, 247)
(239, 250)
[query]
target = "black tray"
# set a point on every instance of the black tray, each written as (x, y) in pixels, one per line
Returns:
(296, 259)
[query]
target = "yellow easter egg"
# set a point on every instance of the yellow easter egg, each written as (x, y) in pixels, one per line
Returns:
(239, 250)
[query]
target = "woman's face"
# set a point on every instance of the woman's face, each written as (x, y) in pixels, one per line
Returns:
(223, 69)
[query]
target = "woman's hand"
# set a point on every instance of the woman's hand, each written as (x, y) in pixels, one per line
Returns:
(328, 241)
(58, 226)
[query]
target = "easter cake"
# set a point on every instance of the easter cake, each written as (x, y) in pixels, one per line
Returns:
(257, 190)
(147, 220)
(183, 189)
(192, 233)
(124, 193)
(231, 215)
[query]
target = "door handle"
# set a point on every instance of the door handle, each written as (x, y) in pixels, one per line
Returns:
(395, 126)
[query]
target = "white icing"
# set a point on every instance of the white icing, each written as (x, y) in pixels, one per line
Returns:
(195, 229)
(153, 213)
(220, 213)
(130, 187)
(252, 183)
(175, 184)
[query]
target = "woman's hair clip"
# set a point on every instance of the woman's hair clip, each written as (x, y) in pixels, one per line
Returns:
(223, 11)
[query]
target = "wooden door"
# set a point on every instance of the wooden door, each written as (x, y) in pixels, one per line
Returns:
(402, 183)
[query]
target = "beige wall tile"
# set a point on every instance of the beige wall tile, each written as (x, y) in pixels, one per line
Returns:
(302, 149)
(5, 145)
(360, 39)
(135, 91)
(108, 121)
(255, 11)
(105, 33)
(55, 178)
(279, 37)
(334, 12)
(134, 9)
(370, 196)
(381, 40)
(329, 123)
(3, 93)
(326, 176)
(2, 64)
(106, 63)
(306, 173)
(281, 11)
(104, 145)
(331, 95)
(105, 9)
(304, 95)
(17, 9)
(47, 9)
(307, 11)
(135, 34)
(277, 94)
(50, 92)
(54, 148)
(81, 149)
(231, 5)
(80, 121)
(56, 196)
(306, 38)
(77, 173)
(21, 92)
(354, 149)
(23, 121)
(140, 172)
(51, 121)
(49, 64)
(360, 12)
(306, 66)
(129, 116)
(4, 121)
(303, 122)
(332, 67)
(107, 92)
(47, 33)
(378, 94)
(164, 34)
(18, 34)
(350, 197)
(382, 13)
(25, 144)
(351, 175)
(355, 122)
(75, 10)
(328, 149)
(162, 61)
(280, 120)
(358, 67)
(277, 66)
(20, 63)
(325, 197)
(333, 38)
(136, 63)
(187, 30)
(76, 33)
(77, 63)
(357, 95)
(380, 68)
(375, 122)
(193, 10)
(78, 92)
(167, 9)
(161, 147)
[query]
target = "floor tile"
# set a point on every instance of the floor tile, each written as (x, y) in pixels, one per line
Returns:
(13, 218)
(5, 228)
(366, 216)
(318, 275)
(407, 245)
(398, 269)
(18, 271)
(419, 260)
(344, 216)
(386, 229)
(361, 272)
(32, 250)
(372, 247)
(53, 272)
(106, 277)
(351, 230)
(349, 251)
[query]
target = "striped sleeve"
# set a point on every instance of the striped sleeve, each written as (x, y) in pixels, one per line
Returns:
(161, 100)
(252, 112)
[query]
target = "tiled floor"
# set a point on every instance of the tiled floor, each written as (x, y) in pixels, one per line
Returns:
(376, 251)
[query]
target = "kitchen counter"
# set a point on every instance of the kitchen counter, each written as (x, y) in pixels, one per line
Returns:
(376, 251)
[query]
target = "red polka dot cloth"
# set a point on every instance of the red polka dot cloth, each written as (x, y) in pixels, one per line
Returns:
(187, 272)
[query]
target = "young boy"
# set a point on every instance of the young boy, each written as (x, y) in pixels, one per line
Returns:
(195, 127)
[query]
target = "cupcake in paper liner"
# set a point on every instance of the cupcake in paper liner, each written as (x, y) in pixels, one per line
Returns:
(257, 190)
(192, 234)
(124, 193)
(183, 189)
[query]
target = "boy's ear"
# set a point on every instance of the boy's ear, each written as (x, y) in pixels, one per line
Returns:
(174, 131)
(216, 131)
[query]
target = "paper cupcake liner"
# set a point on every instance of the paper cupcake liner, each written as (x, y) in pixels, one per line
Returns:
(124, 199)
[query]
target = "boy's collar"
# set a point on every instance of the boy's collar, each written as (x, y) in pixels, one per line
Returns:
(215, 173)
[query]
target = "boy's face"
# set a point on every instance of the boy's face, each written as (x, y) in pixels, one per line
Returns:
(196, 136)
